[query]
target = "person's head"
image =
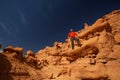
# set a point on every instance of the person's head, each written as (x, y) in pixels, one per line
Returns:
(71, 29)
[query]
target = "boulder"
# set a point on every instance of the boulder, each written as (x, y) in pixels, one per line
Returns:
(17, 50)
(98, 26)
(30, 58)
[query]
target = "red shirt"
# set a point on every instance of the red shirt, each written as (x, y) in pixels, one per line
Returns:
(72, 34)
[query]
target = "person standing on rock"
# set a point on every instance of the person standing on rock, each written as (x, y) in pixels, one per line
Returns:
(73, 36)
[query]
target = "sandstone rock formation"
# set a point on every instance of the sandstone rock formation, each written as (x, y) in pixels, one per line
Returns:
(30, 58)
(14, 67)
(98, 58)
(94, 59)
(16, 52)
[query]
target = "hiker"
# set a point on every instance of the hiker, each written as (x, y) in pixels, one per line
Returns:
(73, 36)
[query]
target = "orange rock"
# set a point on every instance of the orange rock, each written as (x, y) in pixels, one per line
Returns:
(97, 59)
(17, 50)
(117, 37)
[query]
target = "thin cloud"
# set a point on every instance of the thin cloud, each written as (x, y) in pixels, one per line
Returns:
(23, 19)
(4, 27)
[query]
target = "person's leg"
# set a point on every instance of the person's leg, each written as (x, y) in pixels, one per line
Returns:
(72, 42)
(78, 42)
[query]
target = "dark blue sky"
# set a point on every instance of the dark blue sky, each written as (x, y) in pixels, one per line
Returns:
(34, 24)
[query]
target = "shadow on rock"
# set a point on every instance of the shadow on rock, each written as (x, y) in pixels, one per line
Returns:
(5, 67)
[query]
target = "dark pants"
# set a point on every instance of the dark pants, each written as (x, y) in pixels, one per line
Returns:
(72, 41)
